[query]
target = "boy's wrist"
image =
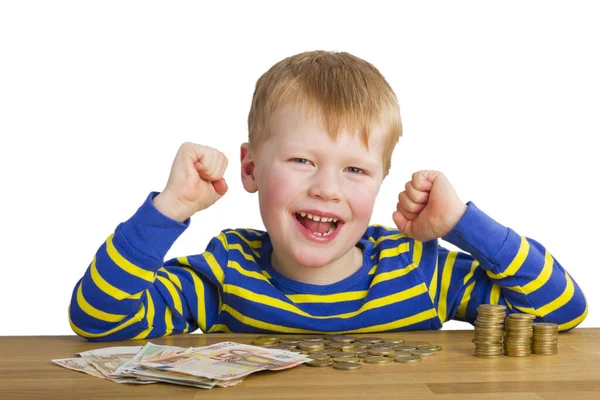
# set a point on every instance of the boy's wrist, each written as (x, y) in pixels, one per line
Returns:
(170, 207)
(479, 234)
(147, 236)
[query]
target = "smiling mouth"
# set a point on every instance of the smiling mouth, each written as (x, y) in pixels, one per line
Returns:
(318, 228)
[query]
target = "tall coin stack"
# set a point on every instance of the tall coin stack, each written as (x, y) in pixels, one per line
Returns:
(545, 338)
(489, 329)
(519, 331)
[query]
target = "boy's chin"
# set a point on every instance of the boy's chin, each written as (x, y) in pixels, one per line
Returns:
(313, 261)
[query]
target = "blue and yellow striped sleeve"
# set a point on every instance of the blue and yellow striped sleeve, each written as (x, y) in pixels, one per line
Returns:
(500, 267)
(128, 293)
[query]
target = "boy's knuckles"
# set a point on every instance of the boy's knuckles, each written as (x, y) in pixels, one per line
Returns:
(409, 205)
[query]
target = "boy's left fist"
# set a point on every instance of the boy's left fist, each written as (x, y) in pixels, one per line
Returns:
(428, 208)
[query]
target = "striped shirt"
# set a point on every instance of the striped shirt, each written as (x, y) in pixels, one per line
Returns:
(129, 292)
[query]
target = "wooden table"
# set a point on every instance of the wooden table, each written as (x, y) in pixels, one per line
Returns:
(27, 373)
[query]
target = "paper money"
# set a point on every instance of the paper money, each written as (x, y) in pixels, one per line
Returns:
(222, 364)
(78, 364)
(223, 361)
(133, 368)
(108, 359)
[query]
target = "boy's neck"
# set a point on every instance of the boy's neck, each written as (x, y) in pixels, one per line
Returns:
(338, 270)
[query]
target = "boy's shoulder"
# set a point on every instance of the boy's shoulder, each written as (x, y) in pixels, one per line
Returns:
(248, 236)
(377, 233)
(386, 243)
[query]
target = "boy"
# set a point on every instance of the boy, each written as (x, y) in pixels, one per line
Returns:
(322, 128)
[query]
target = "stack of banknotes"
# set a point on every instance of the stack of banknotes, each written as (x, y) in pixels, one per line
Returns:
(221, 364)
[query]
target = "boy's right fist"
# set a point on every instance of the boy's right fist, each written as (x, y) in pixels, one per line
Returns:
(196, 182)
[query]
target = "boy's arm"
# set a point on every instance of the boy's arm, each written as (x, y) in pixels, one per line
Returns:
(502, 268)
(127, 292)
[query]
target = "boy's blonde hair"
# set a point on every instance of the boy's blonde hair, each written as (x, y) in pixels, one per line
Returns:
(342, 89)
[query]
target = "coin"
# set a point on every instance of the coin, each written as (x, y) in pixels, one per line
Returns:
(264, 341)
(306, 346)
(382, 346)
(290, 340)
(422, 352)
(407, 359)
(436, 347)
(347, 366)
(521, 316)
(319, 356)
(380, 352)
(404, 347)
(549, 353)
(343, 338)
(279, 347)
(481, 342)
(361, 353)
(320, 351)
(370, 340)
(394, 341)
(488, 339)
(342, 346)
(345, 359)
(491, 307)
(320, 363)
(377, 360)
(346, 354)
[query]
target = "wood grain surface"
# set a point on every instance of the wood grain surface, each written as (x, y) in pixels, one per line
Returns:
(26, 372)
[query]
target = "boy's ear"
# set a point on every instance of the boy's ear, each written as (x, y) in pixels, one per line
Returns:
(248, 179)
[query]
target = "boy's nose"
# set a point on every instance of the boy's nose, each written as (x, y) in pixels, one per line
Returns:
(325, 187)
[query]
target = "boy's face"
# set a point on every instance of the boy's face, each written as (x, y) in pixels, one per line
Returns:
(301, 169)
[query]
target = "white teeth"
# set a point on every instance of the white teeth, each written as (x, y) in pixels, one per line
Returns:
(326, 233)
(317, 218)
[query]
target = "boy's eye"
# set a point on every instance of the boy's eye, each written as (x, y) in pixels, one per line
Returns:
(356, 170)
(300, 160)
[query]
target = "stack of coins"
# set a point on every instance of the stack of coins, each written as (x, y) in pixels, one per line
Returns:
(519, 331)
(489, 329)
(545, 338)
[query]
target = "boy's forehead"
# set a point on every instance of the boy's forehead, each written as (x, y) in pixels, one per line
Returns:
(290, 127)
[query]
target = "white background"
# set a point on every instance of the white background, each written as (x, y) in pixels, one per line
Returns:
(96, 98)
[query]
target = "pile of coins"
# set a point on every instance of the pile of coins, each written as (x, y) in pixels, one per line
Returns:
(497, 334)
(519, 331)
(489, 330)
(347, 352)
(545, 338)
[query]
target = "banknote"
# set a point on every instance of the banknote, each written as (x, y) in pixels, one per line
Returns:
(133, 368)
(223, 361)
(78, 364)
(222, 364)
(108, 359)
